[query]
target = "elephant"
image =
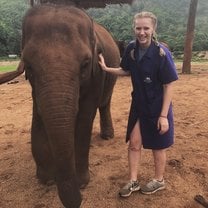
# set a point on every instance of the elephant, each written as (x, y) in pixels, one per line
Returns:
(60, 48)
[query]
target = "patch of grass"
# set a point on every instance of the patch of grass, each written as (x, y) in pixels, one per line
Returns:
(8, 68)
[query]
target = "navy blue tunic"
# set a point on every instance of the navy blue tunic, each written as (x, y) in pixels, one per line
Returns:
(148, 76)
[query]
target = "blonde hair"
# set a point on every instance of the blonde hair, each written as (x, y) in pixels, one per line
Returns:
(145, 14)
(150, 15)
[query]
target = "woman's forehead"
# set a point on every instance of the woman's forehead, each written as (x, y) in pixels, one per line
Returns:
(143, 21)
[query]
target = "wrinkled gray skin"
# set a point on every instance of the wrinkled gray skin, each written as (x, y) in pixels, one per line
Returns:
(60, 54)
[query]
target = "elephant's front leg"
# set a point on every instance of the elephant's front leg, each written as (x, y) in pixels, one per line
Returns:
(41, 150)
(86, 115)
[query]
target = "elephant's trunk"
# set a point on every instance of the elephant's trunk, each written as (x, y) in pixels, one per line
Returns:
(57, 101)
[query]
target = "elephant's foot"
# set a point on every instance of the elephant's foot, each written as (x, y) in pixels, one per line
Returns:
(107, 134)
(83, 179)
(46, 178)
(69, 193)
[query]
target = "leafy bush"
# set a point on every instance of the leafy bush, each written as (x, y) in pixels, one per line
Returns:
(11, 13)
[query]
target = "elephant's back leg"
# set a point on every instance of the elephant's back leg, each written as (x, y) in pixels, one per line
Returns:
(106, 125)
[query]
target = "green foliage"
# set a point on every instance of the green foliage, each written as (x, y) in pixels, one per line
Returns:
(11, 13)
(172, 19)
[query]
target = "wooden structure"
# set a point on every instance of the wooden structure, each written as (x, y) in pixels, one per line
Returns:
(82, 3)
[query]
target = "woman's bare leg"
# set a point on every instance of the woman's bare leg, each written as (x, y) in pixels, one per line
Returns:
(134, 153)
(160, 163)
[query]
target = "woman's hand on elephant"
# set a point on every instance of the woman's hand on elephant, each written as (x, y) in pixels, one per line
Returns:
(102, 62)
(113, 70)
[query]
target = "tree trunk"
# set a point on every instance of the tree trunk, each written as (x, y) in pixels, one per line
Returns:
(186, 68)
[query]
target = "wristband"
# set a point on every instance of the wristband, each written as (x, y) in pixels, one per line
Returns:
(163, 116)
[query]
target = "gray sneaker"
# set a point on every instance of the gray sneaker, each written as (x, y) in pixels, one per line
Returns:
(153, 186)
(129, 188)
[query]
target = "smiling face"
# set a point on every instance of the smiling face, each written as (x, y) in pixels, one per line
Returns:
(143, 30)
(144, 26)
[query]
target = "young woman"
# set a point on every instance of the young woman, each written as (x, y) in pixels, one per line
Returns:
(150, 123)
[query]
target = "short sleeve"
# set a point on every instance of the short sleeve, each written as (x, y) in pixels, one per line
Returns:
(167, 71)
(125, 62)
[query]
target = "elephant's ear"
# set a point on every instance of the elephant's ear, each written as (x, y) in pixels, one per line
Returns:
(98, 48)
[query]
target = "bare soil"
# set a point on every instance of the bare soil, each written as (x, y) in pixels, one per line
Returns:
(187, 162)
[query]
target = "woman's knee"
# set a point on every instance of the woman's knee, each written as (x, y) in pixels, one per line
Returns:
(135, 138)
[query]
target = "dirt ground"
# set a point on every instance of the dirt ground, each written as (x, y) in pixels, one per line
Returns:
(187, 163)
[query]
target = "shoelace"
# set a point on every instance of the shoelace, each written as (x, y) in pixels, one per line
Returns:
(129, 185)
(152, 183)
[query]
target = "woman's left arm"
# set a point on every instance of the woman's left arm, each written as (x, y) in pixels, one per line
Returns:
(163, 124)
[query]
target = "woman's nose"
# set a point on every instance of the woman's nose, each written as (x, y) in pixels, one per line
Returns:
(141, 31)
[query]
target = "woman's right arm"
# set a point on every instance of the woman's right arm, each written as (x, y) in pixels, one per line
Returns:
(116, 70)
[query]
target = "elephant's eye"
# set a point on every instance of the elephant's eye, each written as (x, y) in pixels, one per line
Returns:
(85, 63)
(85, 69)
